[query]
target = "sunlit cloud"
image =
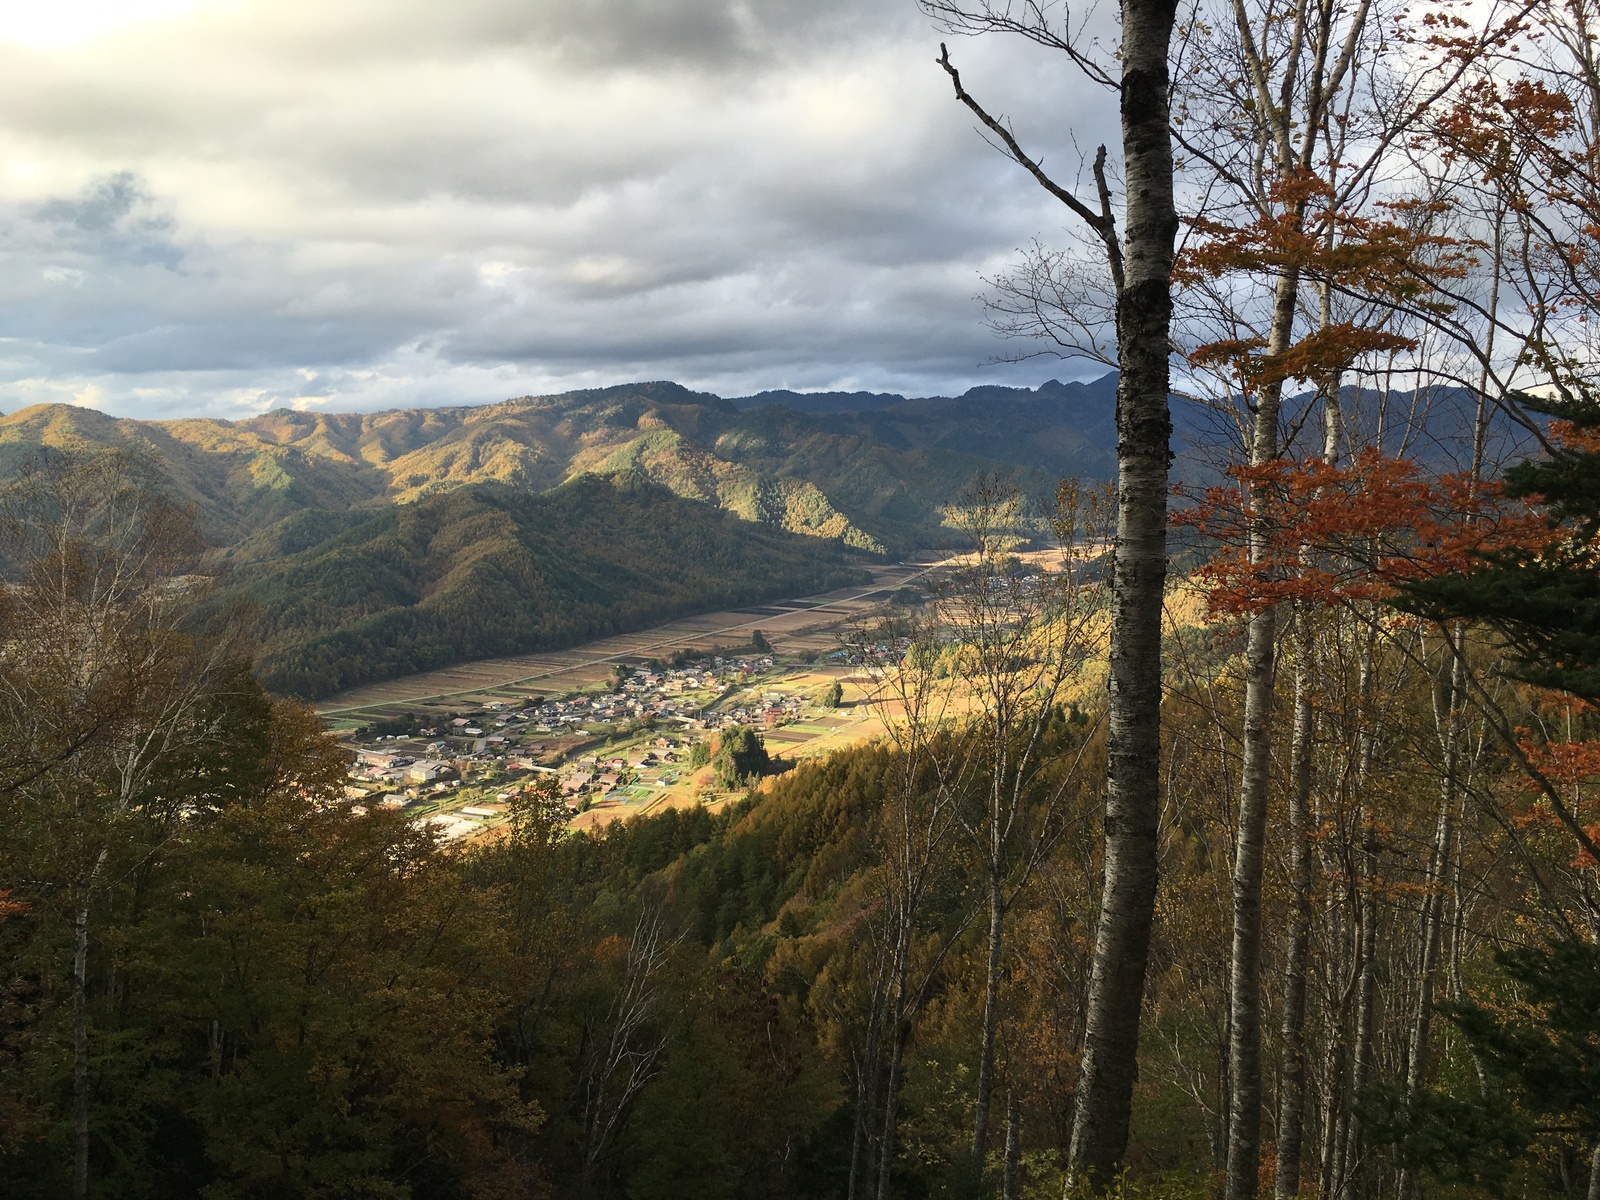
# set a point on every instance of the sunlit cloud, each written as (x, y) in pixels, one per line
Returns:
(66, 23)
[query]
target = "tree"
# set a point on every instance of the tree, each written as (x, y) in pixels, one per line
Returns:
(1539, 1048)
(214, 939)
(1139, 261)
(624, 1051)
(741, 757)
(919, 908)
(99, 688)
(1542, 597)
(1269, 112)
(336, 974)
(1019, 639)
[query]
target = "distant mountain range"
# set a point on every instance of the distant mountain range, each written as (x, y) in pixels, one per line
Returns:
(873, 472)
(376, 544)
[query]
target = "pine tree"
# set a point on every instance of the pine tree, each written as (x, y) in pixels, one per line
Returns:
(1543, 598)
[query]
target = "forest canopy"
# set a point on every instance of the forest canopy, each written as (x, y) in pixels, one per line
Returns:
(1273, 866)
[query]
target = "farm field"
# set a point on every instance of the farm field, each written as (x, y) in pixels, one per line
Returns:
(810, 623)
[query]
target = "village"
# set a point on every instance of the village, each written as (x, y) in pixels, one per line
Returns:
(640, 740)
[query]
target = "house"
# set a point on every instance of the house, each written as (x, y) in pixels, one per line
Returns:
(427, 770)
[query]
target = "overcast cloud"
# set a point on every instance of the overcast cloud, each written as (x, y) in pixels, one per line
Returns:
(215, 208)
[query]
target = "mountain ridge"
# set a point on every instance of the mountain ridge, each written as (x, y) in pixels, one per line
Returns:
(875, 476)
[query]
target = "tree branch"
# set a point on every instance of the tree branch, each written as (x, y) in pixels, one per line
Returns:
(1103, 223)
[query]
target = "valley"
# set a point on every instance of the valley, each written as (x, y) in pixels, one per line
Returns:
(616, 719)
(368, 547)
(806, 624)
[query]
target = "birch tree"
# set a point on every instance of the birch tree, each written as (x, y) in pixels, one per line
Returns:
(1138, 258)
(1019, 640)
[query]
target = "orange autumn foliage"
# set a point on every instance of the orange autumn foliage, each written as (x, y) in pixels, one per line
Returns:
(1575, 437)
(1565, 764)
(1574, 768)
(1304, 228)
(1339, 534)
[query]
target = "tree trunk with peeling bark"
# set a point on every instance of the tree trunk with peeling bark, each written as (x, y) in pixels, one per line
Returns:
(1140, 264)
(1244, 982)
(1144, 427)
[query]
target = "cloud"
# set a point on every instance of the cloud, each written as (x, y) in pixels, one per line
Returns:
(233, 205)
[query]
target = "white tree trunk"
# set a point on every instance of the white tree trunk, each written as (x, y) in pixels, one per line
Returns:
(1139, 575)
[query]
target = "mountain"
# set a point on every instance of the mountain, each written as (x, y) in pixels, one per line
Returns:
(870, 475)
(485, 570)
(819, 402)
(1058, 428)
(376, 544)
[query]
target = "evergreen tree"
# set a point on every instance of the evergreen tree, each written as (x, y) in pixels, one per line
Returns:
(742, 756)
(1544, 599)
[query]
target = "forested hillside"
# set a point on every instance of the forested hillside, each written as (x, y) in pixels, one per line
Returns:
(341, 599)
(866, 976)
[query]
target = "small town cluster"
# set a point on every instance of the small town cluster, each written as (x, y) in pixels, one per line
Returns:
(622, 747)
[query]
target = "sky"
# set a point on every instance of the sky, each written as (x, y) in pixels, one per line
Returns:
(219, 207)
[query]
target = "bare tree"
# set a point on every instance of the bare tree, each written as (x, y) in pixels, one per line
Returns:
(970, 690)
(1019, 638)
(624, 1053)
(914, 834)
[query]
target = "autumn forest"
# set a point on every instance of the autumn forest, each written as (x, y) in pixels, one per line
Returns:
(1235, 831)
